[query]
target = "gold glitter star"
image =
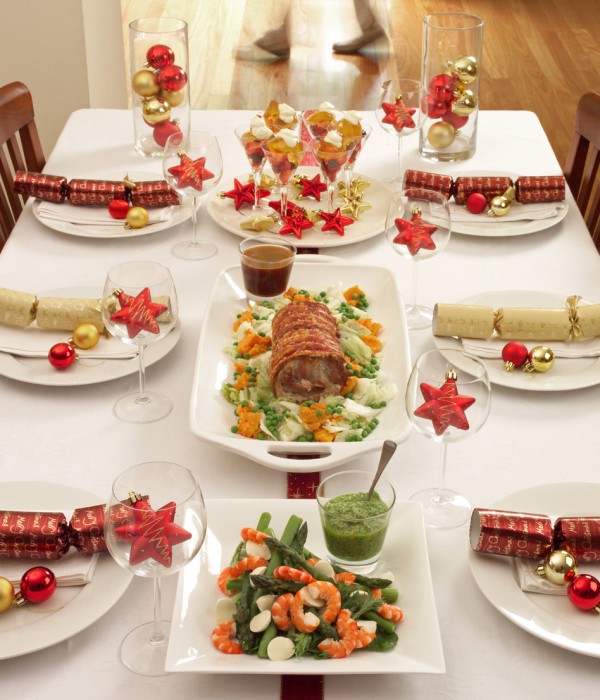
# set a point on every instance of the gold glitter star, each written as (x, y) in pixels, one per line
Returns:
(357, 187)
(257, 223)
(354, 206)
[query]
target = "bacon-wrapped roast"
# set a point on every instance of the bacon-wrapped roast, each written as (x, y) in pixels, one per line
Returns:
(307, 361)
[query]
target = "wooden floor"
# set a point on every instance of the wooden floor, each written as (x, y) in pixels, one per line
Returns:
(539, 55)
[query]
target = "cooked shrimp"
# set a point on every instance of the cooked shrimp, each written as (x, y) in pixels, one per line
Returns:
(313, 560)
(303, 621)
(249, 533)
(237, 570)
(364, 638)
(391, 612)
(280, 611)
(376, 593)
(348, 630)
(223, 636)
(328, 592)
(346, 577)
(290, 574)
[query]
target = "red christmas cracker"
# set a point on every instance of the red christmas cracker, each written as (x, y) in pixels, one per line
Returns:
(96, 192)
(155, 193)
(540, 188)
(416, 180)
(51, 188)
(489, 186)
(524, 535)
(581, 536)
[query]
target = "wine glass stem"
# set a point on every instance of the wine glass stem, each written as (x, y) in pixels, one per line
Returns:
(414, 284)
(283, 193)
(348, 178)
(256, 176)
(399, 158)
(142, 374)
(442, 481)
(195, 205)
(330, 196)
(158, 635)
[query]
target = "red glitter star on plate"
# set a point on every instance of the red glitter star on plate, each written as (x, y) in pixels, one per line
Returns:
(244, 194)
(398, 115)
(415, 234)
(443, 406)
(291, 208)
(152, 534)
(295, 224)
(336, 221)
(138, 313)
(311, 187)
(190, 173)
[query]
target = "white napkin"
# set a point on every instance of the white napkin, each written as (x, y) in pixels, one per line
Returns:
(36, 342)
(517, 212)
(529, 581)
(73, 569)
(94, 216)
(492, 347)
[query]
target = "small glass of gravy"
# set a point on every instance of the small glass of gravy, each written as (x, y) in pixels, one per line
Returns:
(266, 266)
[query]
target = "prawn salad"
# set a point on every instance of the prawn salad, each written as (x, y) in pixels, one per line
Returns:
(350, 414)
(282, 601)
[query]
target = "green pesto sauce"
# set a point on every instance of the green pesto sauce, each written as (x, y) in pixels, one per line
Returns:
(353, 531)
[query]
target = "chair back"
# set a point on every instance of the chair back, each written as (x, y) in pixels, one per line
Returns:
(20, 149)
(581, 167)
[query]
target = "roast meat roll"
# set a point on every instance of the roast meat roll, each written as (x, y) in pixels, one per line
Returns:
(307, 361)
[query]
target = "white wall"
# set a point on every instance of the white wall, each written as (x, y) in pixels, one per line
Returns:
(68, 52)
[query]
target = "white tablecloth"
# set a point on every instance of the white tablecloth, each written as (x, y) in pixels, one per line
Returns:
(71, 436)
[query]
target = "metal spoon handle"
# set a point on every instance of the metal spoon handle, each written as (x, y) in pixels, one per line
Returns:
(388, 449)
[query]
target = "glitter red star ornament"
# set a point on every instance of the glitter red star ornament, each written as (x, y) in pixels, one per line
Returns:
(336, 221)
(295, 224)
(243, 194)
(311, 187)
(398, 115)
(444, 407)
(415, 234)
(190, 173)
(138, 313)
(291, 208)
(152, 534)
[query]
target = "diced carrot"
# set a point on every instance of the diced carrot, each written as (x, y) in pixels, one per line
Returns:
(371, 325)
(242, 380)
(314, 416)
(248, 422)
(374, 343)
(323, 435)
(349, 295)
(349, 386)
(253, 344)
(353, 365)
(246, 316)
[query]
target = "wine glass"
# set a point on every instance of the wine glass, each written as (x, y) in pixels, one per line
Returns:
(319, 122)
(349, 166)
(139, 306)
(400, 112)
(447, 399)
(252, 146)
(418, 227)
(155, 524)
(192, 165)
(331, 159)
(284, 151)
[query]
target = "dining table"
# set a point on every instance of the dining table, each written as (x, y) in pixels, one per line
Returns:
(68, 436)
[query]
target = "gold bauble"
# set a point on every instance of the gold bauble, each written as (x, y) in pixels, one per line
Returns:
(465, 103)
(556, 565)
(137, 217)
(173, 98)
(499, 206)
(155, 110)
(466, 67)
(85, 336)
(145, 84)
(541, 358)
(7, 594)
(441, 134)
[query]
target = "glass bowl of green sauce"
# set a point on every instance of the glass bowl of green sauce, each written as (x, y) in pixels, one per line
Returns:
(354, 527)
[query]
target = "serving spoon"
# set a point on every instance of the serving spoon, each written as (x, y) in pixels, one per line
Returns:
(388, 449)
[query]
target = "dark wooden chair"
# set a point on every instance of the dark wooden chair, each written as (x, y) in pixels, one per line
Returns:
(20, 149)
(583, 159)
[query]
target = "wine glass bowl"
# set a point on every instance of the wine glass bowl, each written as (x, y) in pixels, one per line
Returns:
(331, 160)
(155, 524)
(284, 153)
(139, 306)
(319, 122)
(400, 112)
(251, 140)
(418, 226)
(359, 145)
(447, 399)
(193, 166)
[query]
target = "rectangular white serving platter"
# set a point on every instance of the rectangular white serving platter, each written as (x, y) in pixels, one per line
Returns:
(419, 649)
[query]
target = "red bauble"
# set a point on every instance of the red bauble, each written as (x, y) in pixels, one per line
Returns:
(454, 119)
(160, 56)
(442, 86)
(37, 584)
(398, 115)
(172, 78)
(336, 221)
(138, 313)
(415, 234)
(584, 592)
(444, 407)
(163, 130)
(476, 203)
(62, 355)
(118, 208)
(152, 534)
(190, 173)
(514, 355)
(295, 224)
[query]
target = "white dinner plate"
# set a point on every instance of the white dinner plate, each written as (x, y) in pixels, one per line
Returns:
(369, 224)
(37, 370)
(71, 608)
(212, 415)
(181, 212)
(565, 375)
(419, 648)
(550, 617)
(501, 227)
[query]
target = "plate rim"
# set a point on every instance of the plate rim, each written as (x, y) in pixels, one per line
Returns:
(108, 577)
(529, 612)
(306, 508)
(501, 378)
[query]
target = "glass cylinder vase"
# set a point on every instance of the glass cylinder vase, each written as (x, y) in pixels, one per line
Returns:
(451, 74)
(159, 63)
